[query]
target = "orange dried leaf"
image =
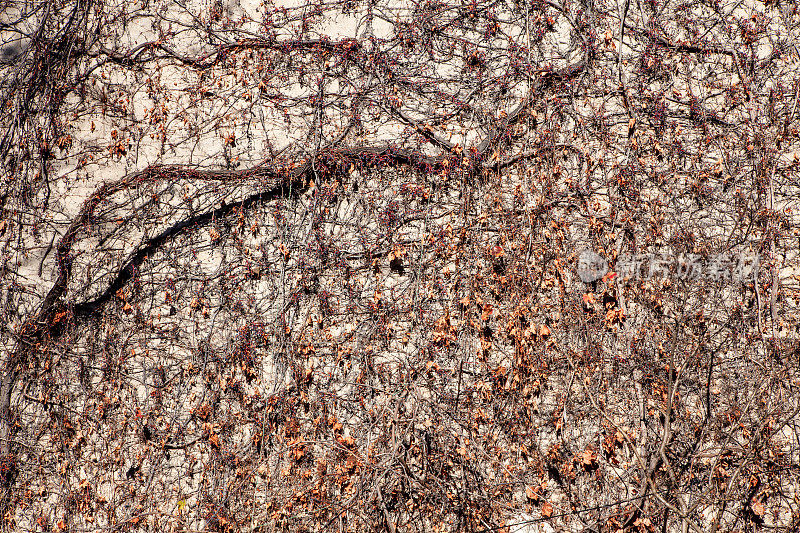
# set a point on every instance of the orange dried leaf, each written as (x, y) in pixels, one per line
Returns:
(588, 458)
(532, 493)
(758, 508)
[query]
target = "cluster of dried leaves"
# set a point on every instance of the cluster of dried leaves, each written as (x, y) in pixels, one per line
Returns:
(311, 266)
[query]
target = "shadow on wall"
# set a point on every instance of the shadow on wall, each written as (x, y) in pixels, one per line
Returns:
(11, 51)
(13, 39)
